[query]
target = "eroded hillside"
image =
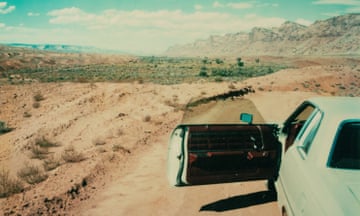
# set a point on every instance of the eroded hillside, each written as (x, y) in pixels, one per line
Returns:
(334, 36)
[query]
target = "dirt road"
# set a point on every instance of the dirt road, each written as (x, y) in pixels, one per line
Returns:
(144, 190)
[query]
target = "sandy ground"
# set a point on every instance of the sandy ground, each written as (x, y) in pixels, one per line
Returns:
(122, 130)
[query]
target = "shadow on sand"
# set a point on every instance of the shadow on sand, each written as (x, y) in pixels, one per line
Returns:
(241, 201)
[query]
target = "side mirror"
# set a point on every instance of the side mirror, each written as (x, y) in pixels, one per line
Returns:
(246, 117)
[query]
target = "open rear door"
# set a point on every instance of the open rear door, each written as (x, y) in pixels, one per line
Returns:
(219, 153)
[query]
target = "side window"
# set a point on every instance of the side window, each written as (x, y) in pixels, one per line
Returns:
(295, 123)
(310, 132)
(346, 152)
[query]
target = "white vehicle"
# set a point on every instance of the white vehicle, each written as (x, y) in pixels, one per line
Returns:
(313, 158)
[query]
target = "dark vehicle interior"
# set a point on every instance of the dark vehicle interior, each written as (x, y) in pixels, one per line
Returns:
(295, 122)
(227, 153)
(346, 153)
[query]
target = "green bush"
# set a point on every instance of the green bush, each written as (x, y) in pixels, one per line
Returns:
(160, 70)
(221, 72)
(203, 72)
(219, 61)
(4, 128)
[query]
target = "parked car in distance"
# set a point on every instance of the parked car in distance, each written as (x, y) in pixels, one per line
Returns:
(312, 160)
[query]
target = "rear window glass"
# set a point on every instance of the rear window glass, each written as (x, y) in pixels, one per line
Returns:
(346, 153)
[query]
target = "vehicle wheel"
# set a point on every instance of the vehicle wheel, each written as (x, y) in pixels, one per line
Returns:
(283, 211)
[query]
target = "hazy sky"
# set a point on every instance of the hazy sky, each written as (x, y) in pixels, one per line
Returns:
(151, 26)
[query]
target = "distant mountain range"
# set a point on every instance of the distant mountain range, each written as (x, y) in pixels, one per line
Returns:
(64, 48)
(335, 36)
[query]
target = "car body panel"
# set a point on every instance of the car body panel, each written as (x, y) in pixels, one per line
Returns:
(306, 184)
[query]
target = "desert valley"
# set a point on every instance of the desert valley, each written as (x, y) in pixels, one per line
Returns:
(87, 134)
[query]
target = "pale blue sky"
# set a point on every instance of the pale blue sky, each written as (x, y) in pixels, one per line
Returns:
(150, 27)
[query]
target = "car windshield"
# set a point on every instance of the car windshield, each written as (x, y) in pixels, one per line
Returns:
(346, 153)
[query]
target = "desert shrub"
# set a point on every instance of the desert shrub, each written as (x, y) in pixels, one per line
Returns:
(223, 72)
(38, 152)
(4, 128)
(8, 185)
(147, 118)
(218, 79)
(239, 61)
(205, 60)
(172, 103)
(305, 85)
(40, 147)
(51, 163)
(219, 61)
(342, 87)
(43, 142)
(203, 74)
(118, 147)
(27, 115)
(71, 155)
(38, 97)
(32, 174)
(36, 105)
(82, 80)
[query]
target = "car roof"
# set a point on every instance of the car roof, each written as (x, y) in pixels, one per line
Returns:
(341, 107)
(336, 110)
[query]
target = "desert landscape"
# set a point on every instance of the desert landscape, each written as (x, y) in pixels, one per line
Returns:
(100, 148)
(87, 133)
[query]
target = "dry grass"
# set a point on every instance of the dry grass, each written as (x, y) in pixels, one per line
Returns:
(36, 105)
(51, 163)
(38, 97)
(27, 115)
(40, 147)
(38, 152)
(44, 142)
(119, 148)
(8, 185)
(101, 150)
(99, 141)
(32, 174)
(70, 155)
